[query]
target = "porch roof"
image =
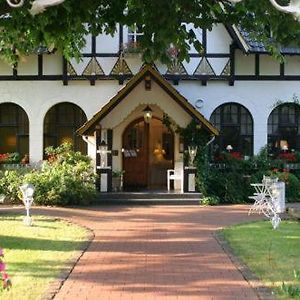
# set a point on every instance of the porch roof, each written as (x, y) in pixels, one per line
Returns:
(147, 70)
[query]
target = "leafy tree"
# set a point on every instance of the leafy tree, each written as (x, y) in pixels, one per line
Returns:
(163, 22)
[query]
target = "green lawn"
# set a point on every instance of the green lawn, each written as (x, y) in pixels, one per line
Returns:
(273, 255)
(36, 255)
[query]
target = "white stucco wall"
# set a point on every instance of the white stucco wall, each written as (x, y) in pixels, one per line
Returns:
(36, 98)
(131, 108)
(259, 97)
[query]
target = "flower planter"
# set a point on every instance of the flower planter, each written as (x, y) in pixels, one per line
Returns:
(117, 184)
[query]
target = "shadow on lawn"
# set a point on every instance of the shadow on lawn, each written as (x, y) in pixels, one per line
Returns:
(13, 242)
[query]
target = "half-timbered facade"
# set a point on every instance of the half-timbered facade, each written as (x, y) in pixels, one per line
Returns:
(234, 84)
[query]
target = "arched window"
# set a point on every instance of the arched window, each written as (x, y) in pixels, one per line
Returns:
(284, 128)
(14, 129)
(236, 128)
(60, 125)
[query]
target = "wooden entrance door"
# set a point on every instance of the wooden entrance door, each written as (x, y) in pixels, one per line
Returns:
(135, 155)
(148, 151)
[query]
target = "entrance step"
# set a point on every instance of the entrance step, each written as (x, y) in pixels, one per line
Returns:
(149, 198)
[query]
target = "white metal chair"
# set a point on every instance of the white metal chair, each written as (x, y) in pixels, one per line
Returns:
(175, 175)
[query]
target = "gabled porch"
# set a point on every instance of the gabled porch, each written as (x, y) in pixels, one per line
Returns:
(129, 135)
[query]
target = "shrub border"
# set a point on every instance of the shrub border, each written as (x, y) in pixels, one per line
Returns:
(263, 292)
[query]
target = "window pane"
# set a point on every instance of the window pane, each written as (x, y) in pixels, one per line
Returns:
(236, 128)
(8, 139)
(13, 123)
(23, 142)
(284, 122)
(60, 125)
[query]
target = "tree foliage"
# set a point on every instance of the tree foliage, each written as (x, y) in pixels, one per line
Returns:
(163, 22)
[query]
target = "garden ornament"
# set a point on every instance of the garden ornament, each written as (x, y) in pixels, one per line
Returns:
(27, 190)
(38, 6)
(265, 198)
(292, 8)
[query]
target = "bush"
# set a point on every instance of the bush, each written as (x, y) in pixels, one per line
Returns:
(292, 185)
(10, 182)
(230, 181)
(66, 179)
(211, 200)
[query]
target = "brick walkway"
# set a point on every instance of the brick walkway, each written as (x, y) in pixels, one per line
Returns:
(155, 252)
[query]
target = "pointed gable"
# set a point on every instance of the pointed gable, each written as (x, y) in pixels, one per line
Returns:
(89, 126)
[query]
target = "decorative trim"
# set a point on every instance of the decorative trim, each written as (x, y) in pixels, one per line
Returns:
(257, 65)
(226, 71)
(71, 70)
(204, 68)
(176, 68)
(165, 85)
(121, 67)
(93, 68)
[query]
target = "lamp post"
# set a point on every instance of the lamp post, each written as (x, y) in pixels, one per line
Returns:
(27, 190)
(147, 114)
(103, 152)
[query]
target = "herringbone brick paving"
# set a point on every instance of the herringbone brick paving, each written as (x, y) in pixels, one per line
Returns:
(155, 253)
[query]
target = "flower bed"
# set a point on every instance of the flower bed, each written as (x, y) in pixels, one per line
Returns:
(6, 282)
(10, 158)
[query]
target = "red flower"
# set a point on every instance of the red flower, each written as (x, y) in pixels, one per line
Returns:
(236, 155)
(289, 156)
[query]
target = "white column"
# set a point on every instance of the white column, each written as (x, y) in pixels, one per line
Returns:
(260, 134)
(35, 140)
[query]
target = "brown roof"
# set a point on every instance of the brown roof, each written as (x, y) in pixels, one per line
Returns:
(88, 127)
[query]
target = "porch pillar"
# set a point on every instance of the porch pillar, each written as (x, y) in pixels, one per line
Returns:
(104, 172)
(189, 175)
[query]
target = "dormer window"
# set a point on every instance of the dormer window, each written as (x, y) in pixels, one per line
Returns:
(134, 34)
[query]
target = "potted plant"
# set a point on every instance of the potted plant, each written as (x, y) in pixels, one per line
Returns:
(117, 180)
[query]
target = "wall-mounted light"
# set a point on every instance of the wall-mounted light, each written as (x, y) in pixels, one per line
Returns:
(147, 114)
(103, 153)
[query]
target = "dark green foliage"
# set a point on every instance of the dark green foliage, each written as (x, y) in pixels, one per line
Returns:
(230, 181)
(292, 185)
(66, 179)
(211, 200)
(63, 27)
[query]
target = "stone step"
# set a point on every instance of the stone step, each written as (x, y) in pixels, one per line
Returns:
(149, 198)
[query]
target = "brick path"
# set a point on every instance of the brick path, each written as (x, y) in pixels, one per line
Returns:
(155, 252)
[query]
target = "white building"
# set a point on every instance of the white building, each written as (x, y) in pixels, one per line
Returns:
(234, 83)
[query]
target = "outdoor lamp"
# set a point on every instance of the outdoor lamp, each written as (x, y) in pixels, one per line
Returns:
(229, 148)
(192, 154)
(147, 114)
(27, 190)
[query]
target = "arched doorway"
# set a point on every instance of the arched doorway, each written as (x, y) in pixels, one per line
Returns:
(60, 125)
(148, 151)
(14, 129)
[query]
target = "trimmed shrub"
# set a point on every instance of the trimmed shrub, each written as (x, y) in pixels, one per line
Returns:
(66, 179)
